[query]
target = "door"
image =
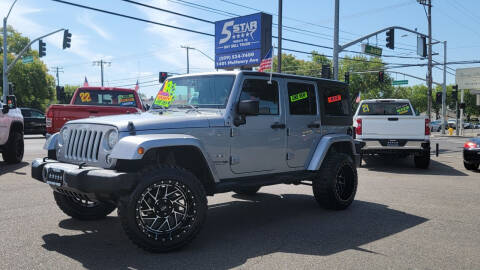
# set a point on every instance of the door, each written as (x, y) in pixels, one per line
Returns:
(4, 129)
(303, 121)
(27, 120)
(259, 144)
(38, 122)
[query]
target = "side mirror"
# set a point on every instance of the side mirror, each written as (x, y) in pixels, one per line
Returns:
(5, 109)
(248, 107)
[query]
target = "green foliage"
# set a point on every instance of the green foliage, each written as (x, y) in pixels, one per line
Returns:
(34, 87)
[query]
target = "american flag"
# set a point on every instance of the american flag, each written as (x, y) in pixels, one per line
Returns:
(85, 83)
(137, 86)
(266, 62)
(359, 97)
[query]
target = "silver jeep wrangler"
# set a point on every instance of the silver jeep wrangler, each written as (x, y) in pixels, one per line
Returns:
(204, 134)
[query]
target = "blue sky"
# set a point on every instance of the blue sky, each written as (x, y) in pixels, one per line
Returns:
(139, 50)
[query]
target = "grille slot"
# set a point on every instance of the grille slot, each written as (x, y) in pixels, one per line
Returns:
(83, 145)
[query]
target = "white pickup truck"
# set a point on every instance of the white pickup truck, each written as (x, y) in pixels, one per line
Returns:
(11, 131)
(391, 127)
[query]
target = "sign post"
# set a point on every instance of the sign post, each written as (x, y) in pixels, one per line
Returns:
(242, 41)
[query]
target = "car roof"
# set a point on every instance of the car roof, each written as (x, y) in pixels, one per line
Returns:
(386, 100)
(105, 88)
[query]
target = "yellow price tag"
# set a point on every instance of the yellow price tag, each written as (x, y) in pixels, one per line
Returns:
(85, 97)
(365, 108)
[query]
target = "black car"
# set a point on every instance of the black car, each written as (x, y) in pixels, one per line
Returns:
(34, 121)
(471, 154)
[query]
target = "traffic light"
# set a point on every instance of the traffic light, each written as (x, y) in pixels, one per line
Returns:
(162, 76)
(380, 76)
(455, 92)
(347, 77)
(326, 71)
(67, 38)
(438, 98)
(42, 51)
(391, 38)
(11, 88)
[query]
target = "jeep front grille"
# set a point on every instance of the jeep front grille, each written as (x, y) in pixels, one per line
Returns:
(83, 145)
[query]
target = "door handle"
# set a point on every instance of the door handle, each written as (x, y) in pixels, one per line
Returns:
(93, 111)
(313, 125)
(393, 119)
(277, 125)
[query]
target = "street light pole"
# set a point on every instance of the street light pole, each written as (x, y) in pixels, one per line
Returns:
(444, 92)
(188, 60)
(279, 54)
(335, 40)
(5, 54)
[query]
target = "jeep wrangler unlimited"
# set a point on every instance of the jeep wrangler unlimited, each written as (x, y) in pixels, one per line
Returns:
(11, 131)
(205, 134)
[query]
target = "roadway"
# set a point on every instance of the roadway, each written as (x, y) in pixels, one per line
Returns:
(403, 218)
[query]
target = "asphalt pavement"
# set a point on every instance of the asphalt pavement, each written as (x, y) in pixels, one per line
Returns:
(402, 218)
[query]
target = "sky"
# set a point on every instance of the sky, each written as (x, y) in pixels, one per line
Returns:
(138, 50)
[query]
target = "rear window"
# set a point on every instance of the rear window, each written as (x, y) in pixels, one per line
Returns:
(105, 98)
(336, 101)
(390, 108)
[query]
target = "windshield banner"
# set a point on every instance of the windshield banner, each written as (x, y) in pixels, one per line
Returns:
(166, 96)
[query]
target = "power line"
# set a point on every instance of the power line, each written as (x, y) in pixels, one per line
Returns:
(133, 18)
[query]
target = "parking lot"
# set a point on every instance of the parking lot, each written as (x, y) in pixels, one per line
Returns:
(403, 218)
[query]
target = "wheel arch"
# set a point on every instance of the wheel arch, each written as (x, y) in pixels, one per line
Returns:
(16, 126)
(336, 143)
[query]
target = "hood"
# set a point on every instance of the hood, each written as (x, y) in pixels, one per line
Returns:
(152, 120)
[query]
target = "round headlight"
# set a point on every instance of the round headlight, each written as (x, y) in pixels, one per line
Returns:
(112, 138)
(64, 134)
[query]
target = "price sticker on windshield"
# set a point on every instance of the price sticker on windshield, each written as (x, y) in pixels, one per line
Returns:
(365, 108)
(335, 98)
(85, 97)
(166, 96)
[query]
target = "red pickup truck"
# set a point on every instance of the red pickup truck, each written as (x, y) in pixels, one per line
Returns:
(93, 102)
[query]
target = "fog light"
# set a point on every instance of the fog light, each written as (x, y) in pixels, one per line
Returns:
(108, 160)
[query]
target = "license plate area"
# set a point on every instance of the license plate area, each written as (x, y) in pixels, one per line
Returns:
(392, 143)
(55, 177)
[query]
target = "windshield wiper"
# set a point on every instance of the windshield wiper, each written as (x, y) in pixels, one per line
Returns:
(192, 108)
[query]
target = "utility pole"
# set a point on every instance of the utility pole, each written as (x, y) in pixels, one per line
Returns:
(444, 90)
(188, 60)
(279, 54)
(101, 63)
(5, 53)
(335, 40)
(57, 71)
(428, 3)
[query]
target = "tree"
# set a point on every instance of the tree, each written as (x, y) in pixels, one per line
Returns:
(34, 87)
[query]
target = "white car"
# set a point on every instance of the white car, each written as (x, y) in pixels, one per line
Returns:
(391, 127)
(11, 131)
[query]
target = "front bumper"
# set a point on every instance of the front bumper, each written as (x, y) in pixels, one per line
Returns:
(88, 182)
(471, 155)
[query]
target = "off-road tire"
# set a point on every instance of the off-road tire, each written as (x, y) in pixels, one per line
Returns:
(81, 209)
(173, 183)
(14, 149)
(422, 161)
(470, 166)
(248, 191)
(337, 168)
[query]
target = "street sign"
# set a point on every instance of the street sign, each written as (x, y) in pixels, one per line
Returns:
(242, 41)
(372, 50)
(27, 59)
(468, 78)
(401, 82)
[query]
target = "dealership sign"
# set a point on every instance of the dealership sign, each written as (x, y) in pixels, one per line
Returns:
(468, 78)
(242, 41)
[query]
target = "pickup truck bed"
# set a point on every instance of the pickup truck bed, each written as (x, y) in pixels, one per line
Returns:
(93, 102)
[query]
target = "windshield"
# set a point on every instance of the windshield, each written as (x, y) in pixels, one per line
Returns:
(196, 91)
(384, 108)
(105, 98)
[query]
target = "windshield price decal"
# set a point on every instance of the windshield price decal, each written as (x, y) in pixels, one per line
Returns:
(126, 100)
(85, 97)
(167, 95)
(335, 98)
(299, 96)
(403, 109)
(365, 108)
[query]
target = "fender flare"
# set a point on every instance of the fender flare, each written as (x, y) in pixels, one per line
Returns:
(127, 147)
(324, 146)
(51, 142)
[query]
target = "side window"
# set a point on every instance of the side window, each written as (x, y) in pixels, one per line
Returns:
(26, 113)
(336, 101)
(301, 98)
(37, 114)
(265, 93)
